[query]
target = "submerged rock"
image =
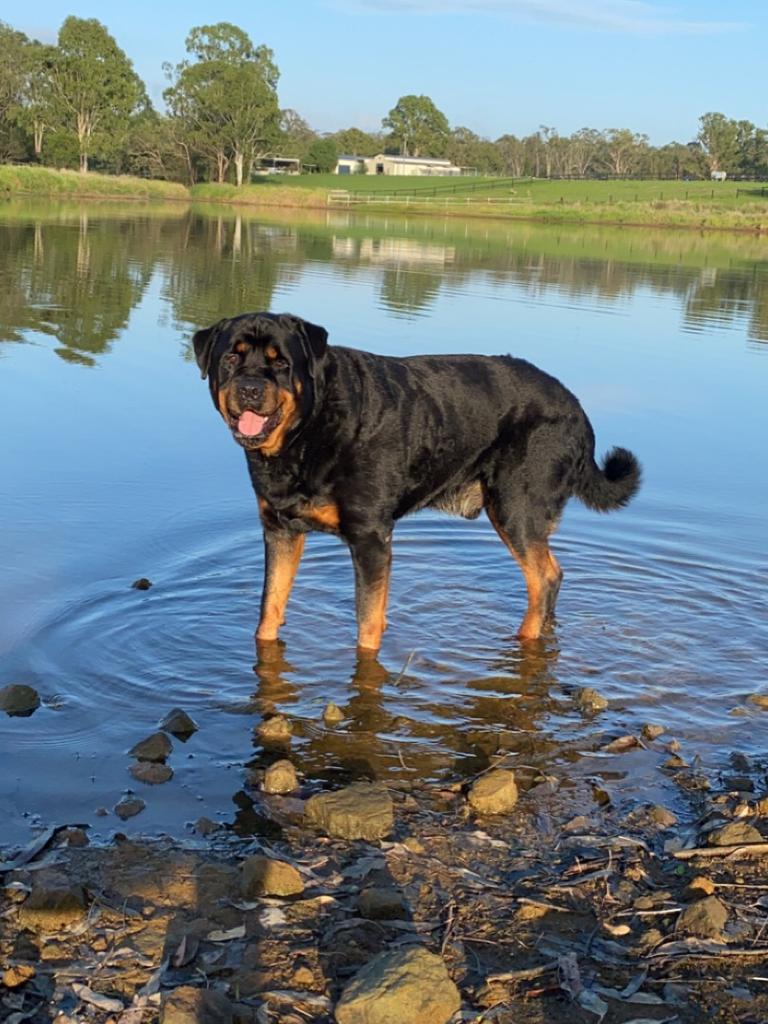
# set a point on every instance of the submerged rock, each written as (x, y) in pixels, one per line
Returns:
(263, 876)
(332, 714)
(156, 747)
(17, 699)
(493, 793)
(280, 777)
(142, 583)
(360, 811)
(590, 701)
(411, 986)
(274, 730)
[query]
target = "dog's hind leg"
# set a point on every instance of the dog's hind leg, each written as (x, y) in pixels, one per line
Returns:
(541, 570)
(282, 554)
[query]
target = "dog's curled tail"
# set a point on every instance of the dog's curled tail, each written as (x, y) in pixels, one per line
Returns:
(611, 486)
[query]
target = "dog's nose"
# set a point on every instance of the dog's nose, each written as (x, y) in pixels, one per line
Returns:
(250, 391)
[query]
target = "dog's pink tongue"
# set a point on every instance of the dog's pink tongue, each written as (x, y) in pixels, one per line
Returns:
(251, 424)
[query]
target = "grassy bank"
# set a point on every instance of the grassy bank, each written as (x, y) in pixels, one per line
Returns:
(701, 204)
(44, 181)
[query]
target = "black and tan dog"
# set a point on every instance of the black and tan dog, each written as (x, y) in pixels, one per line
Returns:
(348, 442)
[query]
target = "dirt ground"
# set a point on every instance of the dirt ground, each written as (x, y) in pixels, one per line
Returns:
(571, 907)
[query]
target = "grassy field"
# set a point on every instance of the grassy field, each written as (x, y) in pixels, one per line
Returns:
(698, 204)
(693, 204)
(44, 181)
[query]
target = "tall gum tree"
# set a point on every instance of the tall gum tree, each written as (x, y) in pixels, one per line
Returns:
(225, 97)
(94, 88)
(418, 127)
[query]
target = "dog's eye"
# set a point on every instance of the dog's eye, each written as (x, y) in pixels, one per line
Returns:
(230, 360)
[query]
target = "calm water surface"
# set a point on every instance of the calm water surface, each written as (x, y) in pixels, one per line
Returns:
(115, 466)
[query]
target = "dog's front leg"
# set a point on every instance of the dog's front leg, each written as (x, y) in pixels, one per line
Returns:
(282, 554)
(372, 558)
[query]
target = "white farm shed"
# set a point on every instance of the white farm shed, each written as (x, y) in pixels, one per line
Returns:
(410, 165)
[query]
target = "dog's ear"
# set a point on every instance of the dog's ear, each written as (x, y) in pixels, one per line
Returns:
(203, 342)
(317, 338)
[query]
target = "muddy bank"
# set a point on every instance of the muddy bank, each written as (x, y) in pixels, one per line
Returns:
(549, 903)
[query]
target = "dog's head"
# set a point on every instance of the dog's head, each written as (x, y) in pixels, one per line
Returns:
(264, 371)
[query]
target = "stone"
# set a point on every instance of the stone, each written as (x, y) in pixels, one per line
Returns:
(661, 816)
(274, 730)
(53, 903)
(179, 724)
(332, 714)
(760, 700)
(383, 903)
(651, 731)
(493, 793)
(129, 807)
(19, 700)
(700, 886)
(736, 833)
(189, 1005)
(360, 811)
(205, 827)
(262, 876)
(407, 986)
(704, 918)
(156, 747)
(75, 837)
(151, 772)
(280, 777)
(590, 701)
(18, 975)
(142, 583)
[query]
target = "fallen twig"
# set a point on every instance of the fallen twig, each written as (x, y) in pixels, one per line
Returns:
(747, 849)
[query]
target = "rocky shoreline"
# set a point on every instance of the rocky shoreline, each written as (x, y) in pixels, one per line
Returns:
(513, 897)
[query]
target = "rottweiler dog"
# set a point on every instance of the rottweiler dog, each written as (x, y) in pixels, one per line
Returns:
(348, 442)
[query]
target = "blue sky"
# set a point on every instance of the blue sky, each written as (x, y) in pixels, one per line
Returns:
(494, 66)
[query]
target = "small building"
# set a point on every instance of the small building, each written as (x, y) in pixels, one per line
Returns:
(396, 165)
(347, 164)
(411, 165)
(277, 165)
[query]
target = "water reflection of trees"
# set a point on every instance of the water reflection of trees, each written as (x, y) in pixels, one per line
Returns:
(76, 276)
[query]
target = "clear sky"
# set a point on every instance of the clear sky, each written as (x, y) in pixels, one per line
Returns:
(494, 66)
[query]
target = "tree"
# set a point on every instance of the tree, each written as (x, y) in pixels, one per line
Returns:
(624, 149)
(512, 154)
(94, 89)
(34, 111)
(719, 137)
(226, 97)
(355, 142)
(323, 154)
(417, 126)
(12, 46)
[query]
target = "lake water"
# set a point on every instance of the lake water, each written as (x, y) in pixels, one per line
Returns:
(115, 466)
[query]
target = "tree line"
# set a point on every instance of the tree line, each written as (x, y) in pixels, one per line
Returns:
(79, 103)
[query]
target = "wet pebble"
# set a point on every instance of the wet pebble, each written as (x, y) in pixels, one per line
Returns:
(280, 777)
(156, 747)
(205, 827)
(590, 701)
(17, 699)
(493, 793)
(662, 817)
(142, 583)
(734, 834)
(332, 714)
(178, 723)
(651, 731)
(151, 772)
(274, 730)
(760, 700)
(129, 807)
